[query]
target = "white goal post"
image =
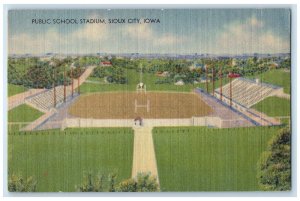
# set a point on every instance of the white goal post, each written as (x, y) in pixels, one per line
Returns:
(136, 105)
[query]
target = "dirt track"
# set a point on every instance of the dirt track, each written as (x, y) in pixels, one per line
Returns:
(122, 105)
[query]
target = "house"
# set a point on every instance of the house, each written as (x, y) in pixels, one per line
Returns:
(203, 80)
(162, 74)
(196, 66)
(179, 83)
(106, 63)
(233, 75)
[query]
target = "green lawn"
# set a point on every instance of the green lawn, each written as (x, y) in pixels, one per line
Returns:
(22, 113)
(60, 160)
(274, 106)
(96, 79)
(15, 89)
(207, 159)
(277, 77)
(134, 78)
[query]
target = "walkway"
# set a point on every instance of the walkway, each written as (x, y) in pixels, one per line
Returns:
(33, 125)
(143, 152)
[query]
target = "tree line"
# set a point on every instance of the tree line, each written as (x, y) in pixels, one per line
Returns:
(35, 73)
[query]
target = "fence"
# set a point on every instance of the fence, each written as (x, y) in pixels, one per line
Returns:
(16, 126)
(23, 126)
(194, 121)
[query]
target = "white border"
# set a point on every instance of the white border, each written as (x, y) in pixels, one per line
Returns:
(3, 57)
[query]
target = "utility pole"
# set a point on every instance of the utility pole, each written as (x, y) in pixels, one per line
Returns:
(213, 81)
(221, 87)
(72, 81)
(54, 90)
(64, 83)
(230, 80)
(206, 82)
(78, 84)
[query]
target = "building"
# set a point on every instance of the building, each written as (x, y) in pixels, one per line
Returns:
(179, 83)
(162, 74)
(106, 63)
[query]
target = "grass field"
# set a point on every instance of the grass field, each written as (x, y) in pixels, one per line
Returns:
(15, 89)
(277, 77)
(274, 106)
(206, 159)
(60, 160)
(122, 105)
(22, 113)
(134, 78)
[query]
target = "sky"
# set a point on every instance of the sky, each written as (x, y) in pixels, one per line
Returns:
(180, 31)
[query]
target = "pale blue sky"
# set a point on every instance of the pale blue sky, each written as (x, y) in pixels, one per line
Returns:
(181, 31)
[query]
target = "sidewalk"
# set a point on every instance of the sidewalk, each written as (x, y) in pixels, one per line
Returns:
(143, 152)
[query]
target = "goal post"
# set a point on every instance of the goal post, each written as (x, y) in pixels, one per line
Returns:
(141, 88)
(136, 105)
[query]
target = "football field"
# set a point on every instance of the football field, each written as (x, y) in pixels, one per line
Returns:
(121, 105)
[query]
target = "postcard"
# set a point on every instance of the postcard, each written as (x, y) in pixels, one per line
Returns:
(149, 100)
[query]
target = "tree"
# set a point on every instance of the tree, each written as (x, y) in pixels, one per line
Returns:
(274, 167)
(17, 183)
(113, 74)
(13, 76)
(39, 76)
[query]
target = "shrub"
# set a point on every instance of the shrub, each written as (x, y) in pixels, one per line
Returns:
(274, 167)
(143, 182)
(17, 183)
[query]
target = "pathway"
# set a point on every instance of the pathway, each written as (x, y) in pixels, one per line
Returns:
(143, 152)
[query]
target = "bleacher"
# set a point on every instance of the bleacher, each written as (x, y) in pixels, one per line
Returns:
(247, 92)
(45, 101)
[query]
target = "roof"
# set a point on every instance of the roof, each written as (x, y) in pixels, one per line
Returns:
(106, 62)
(233, 75)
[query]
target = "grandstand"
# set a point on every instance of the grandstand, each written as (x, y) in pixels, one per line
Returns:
(45, 101)
(246, 92)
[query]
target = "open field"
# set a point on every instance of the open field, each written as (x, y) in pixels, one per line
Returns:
(274, 106)
(206, 159)
(15, 89)
(122, 105)
(60, 160)
(22, 113)
(134, 78)
(277, 77)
